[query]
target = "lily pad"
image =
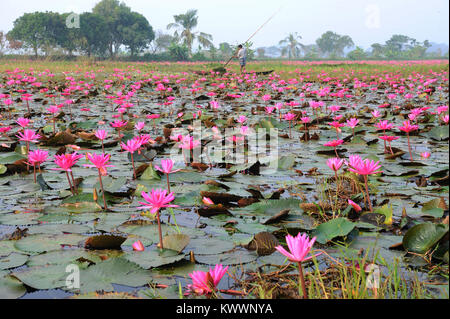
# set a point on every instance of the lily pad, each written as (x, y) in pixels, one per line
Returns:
(421, 238)
(11, 288)
(12, 261)
(120, 271)
(40, 243)
(154, 258)
(334, 228)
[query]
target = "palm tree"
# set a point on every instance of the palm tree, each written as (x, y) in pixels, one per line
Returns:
(293, 46)
(185, 23)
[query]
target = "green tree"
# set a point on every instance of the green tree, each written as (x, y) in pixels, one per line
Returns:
(377, 50)
(261, 53)
(333, 44)
(136, 32)
(225, 49)
(312, 52)
(343, 42)
(112, 11)
(179, 52)
(37, 31)
(67, 38)
(92, 32)
(292, 45)
(162, 42)
(185, 25)
(357, 54)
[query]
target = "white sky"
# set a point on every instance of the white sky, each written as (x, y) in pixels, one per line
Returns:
(233, 21)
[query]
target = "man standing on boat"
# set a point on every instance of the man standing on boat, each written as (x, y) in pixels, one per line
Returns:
(242, 56)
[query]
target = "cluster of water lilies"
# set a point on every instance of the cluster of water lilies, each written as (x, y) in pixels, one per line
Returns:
(301, 113)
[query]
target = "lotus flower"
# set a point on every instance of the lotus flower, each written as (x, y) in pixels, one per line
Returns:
(366, 167)
(101, 162)
(155, 200)
(355, 206)
(206, 282)
(138, 246)
(166, 168)
(299, 248)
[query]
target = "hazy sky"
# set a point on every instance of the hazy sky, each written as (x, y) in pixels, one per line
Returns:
(233, 21)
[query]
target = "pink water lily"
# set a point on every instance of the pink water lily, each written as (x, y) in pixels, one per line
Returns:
(101, 162)
(132, 146)
(355, 206)
(205, 283)
(365, 168)
(23, 122)
(407, 128)
(37, 157)
(155, 200)
(166, 168)
(299, 247)
(289, 117)
(138, 246)
(65, 163)
(101, 135)
(334, 144)
(207, 201)
(28, 136)
(352, 123)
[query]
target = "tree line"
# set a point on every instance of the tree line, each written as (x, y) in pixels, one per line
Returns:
(332, 45)
(112, 29)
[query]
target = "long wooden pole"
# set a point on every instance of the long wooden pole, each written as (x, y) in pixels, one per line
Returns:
(254, 33)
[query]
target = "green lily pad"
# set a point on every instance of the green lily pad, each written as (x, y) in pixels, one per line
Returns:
(235, 257)
(439, 133)
(40, 243)
(43, 277)
(336, 227)
(422, 237)
(176, 242)
(20, 219)
(154, 258)
(114, 270)
(432, 208)
(62, 257)
(12, 261)
(209, 246)
(11, 288)
(58, 229)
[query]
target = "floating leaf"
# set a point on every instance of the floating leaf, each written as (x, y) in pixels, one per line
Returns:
(40, 243)
(421, 238)
(104, 242)
(264, 243)
(176, 242)
(154, 258)
(119, 271)
(334, 228)
(12, 261)
(11, 288)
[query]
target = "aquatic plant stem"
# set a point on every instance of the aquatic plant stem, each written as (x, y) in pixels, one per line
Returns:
(132, 163)
(409, 147)
(302, 280)
(160, 231)
(103, 191)
(70, 184)
(367, 192)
